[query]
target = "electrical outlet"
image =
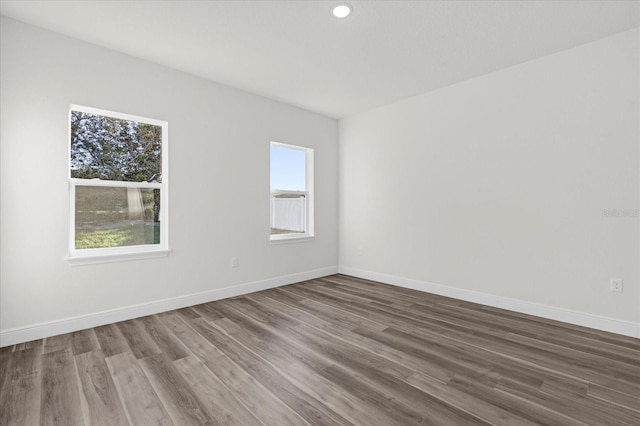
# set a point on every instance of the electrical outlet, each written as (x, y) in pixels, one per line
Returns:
(235, 262)
(615, 284)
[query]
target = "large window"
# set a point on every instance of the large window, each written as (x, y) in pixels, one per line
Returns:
(291, 192)
(118, 186)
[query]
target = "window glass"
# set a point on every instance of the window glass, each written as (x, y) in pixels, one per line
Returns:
(109, 148)
(288, 169)
(113, 217)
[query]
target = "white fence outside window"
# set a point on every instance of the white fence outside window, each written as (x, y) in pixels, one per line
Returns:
(289, 211)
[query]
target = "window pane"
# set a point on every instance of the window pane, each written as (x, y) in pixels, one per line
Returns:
(112, 149)
(115, 217)
(288, 214)
(288, 171)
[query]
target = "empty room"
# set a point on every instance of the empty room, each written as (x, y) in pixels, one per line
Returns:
(281, 213)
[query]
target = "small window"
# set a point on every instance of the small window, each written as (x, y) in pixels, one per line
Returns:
(118, 186)
(291, 192)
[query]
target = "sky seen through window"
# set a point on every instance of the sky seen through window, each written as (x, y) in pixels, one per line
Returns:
(287, 169)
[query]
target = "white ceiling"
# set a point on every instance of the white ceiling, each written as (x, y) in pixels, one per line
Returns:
(296, 52)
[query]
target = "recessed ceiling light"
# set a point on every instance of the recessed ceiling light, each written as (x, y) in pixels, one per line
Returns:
(341, 11)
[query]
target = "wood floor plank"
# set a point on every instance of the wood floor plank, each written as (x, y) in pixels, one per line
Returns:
(274, 303)
(348, 354)
(316, 361)
(312, 410)
(166, 342)
(358, 408)
(414, 322)
(315, 314)
(262, 403)
(382, 292)
(442, 353)
(98, 390)
(338, 310)
(283, 296)
(395, 411)
(337, 350)
(271, 326)
(390, 353)
(6, 356)
(392, 378)
(274, 325)
(513, 403)
(34, 344)
(84, 341)
(139, 399)
(60, 396)
(57, 343)
(619, 340)
(111, 340)
(608, 350)
(313, 364)
(20, 389)
(251, 334)
(540, 335)
(614, 397)
(467, 402)
(138, 339)
(567, 363)
(574, 394)
(208, 311)
(224, 407)
(348, 294)
(390, 292)
(180, 400)
(187, 313)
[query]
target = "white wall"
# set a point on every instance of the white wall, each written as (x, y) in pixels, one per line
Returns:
(219, 180)
(498, 184)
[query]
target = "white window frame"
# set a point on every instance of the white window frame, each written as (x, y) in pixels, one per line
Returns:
(309, 233)
(122, 253)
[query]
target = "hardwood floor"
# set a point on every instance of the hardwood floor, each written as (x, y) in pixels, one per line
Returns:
(332, 351)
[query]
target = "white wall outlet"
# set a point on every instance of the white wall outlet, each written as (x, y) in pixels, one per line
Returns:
(615, 284)
(235, 262)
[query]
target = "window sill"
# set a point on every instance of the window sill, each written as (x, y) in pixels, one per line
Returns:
(286, 239)
(116, 257)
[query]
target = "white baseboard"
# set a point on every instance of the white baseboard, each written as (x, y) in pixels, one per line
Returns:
(627, 328)
(67, 325)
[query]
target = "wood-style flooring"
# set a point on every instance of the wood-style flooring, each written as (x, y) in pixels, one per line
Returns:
(331, 351)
